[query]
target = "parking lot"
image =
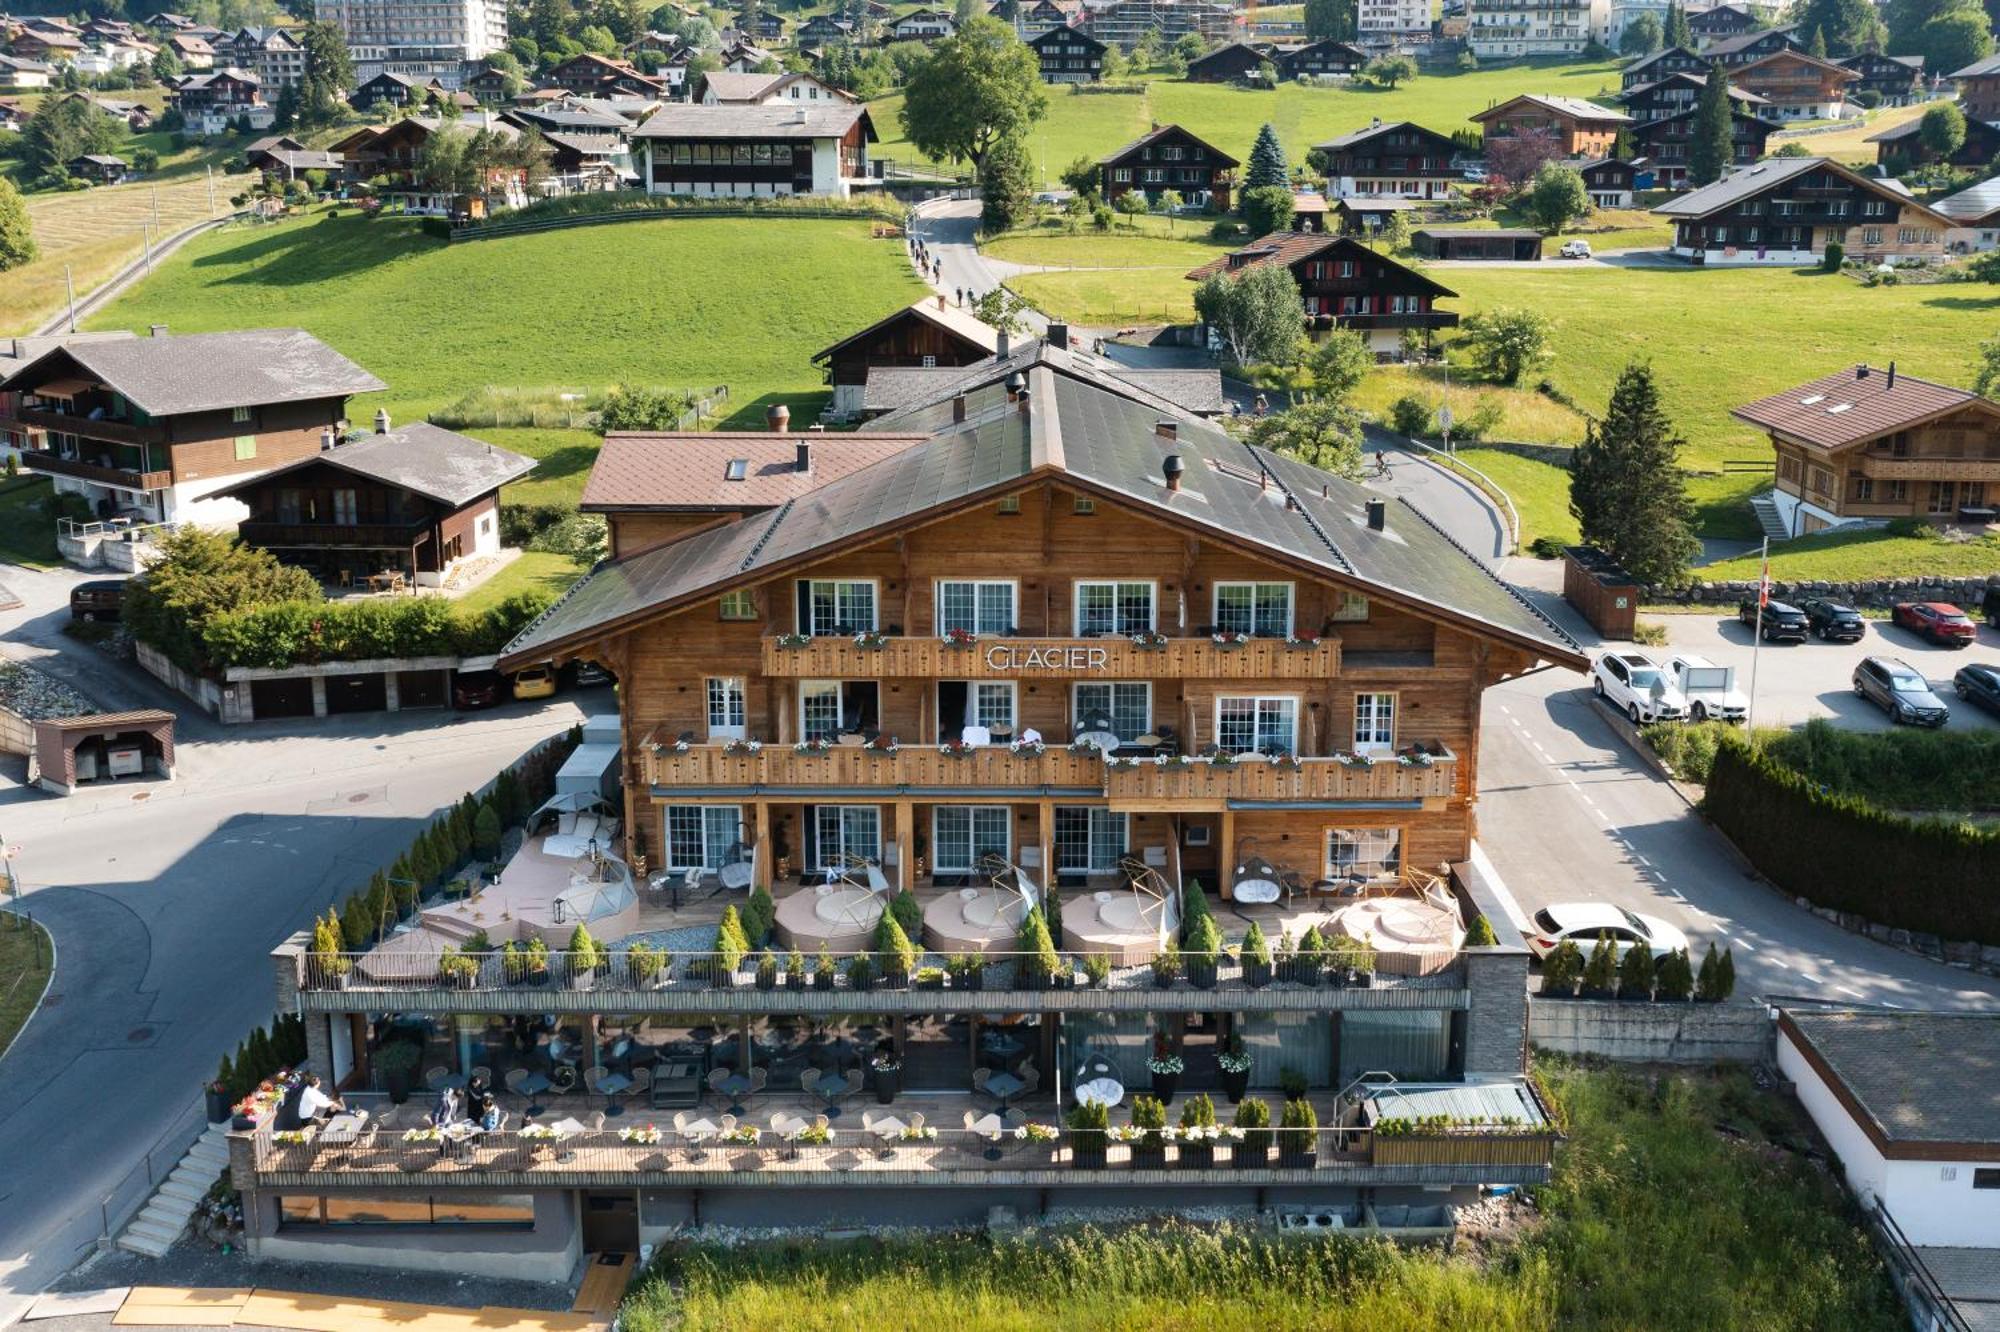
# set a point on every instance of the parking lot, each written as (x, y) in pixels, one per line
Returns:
(1799, 681)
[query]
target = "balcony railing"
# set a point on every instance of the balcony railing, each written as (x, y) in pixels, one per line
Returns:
(56, 465)
(1118, 658)
(1931, 469)
(397, 536)
(1349, 777)
(121, 432)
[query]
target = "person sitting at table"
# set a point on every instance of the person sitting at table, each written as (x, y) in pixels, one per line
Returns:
(489, 1114)
(448, 1109)
(314, 1104)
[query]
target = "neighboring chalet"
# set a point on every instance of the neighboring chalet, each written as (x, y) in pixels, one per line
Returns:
(1667, 144)
(1721, 21)
(20, 74)
(1399, 158)
(1784, 210)
(1167, 157)
(1068, 55)
(396, 149)
(490, 86)
(927, 334)
(290, 163)
(1979, 89)
(721, 88)
(1903, 144)
(1895, 80)
(923, 25)
(414, 501)
(1237, 62)
(1869, 445)
(761, 25)
(98, 168)
(1031, 20)
(601, 76)
(823, 30)
(396, 90)
(750, 150)
(1661, 65)
(1797, 84)
(1577, 127)
(1233, 62)
(1344, 284)
(154, 427)
(1610, 182)
(1749, 47)
(742, 56)
(1360, 214)
(1511, 244)
(1679, 94)
(48, 48)
(1975, 217)
(211, 102)
(194, 53)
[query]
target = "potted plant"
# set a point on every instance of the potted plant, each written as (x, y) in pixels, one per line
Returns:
(974, 976)
(1033, 1135)
(1166, 1068)
(929, 978)
(1674, 982)
(1600, 974)
(1284, 958)
(1198, 1132)
(814, 1135)
(541, 1140)
(1256, 958)
(417, 1160)
(215, 1096)
(1235, 1066)
(1204, 951)
(1097, 970)
(899, 955)
(1562, 969)
(456, 971)
(732, 943)
(1298, 1135)
(396, 1065)
(1360, 965)
(326, 966)
(644, 965)
(860, 973)
(1292, 1083)
(767, 972)
(584, 958)
(1149, 1148)
(1635, 974)
(795, 970)
(1252, 1149)
(1311, 958)
(885, 1069)
(1167, 966)
(823, 971)
(741, 1135)
(1038, 964)
(1089, 1134)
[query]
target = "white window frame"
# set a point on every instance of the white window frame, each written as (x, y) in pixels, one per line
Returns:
(740, 604)
(812, 625)
(1104, 830)
(1259, 742)
(970, 836)
(1116, 585)
(841, 815)
(1375, 714)
(810, 689)
(1347, 850)
(717, 828)
(1256, 608)
(980, 618)
(1112, 688)
(727, 698)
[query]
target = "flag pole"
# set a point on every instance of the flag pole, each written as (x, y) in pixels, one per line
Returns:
(1757, 637)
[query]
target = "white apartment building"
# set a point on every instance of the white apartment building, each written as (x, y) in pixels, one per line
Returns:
(418, 38)
(1624, 13)
(1513, 29)
(1392, 20)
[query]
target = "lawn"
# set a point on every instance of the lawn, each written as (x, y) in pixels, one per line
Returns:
(26, 955)
(95, 233)
(674, 303)
(1108, 249)
(1681, 1200)
(530, 571)
(1850, 142)
(1849, 556)
(27, 533)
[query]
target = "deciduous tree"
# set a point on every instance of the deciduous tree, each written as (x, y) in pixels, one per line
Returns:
(1955, 40)
(978, 88)
(17, 233)
(1642, 36)
(1330, 20)
(1505, 342)
(1626, 488)
(1390, 70)
(1558, 197)
(1257, 313)
(1320, 434)
(1942, 130)
(1267, 209)
(1340, 363)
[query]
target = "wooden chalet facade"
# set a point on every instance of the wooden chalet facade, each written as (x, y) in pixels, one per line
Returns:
(1748, 47)
(1344, 284)
(1068, 55)
(1720, 21)
(1893, 80)
(1979, 89)
(1610, 182)
(1235, 62)
(1170, 158)
(601, 76)
(1398, 158)
(1678, 94)
(1903, 144)
(1785, 210)
(1232, 62)
(1660, 65)
(929, 334)
(1667, 144)
(1577, 127)
(1797, 85)
(1867, 444)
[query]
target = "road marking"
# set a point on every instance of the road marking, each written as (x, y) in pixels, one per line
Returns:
(1642, 860)
(1807, 975)
(1776, 963)
(1743, 944)
(1890, 1003)
(1849, 990)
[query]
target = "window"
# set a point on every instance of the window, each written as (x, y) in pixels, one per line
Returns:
(1265, 724)
(1871, 235)
(289, 508)
(980, 606)
(1262, 610)
(344, 509)
(1366, 853)
(239, 415)
(1089, 840)
(1985, 1177)
(844, 834)
(315, 1211)
(962, 835)
(1349, 607)
(1083, 504)
(702, 836)
(246, 447)
(819, 709)
(738, 605)
(1129, 704)
(1864, 488)
(1374, 723)
(1010, 504)
(1113, 608)
(725, 704)
(839, 607)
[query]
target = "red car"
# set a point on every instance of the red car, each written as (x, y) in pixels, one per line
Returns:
(1939, 621)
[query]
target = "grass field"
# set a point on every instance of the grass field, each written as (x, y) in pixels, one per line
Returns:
(679, 303)
(1681, 1201)
(27, 534)
(1850, 142)
(26, 955)
(1859, 555)
(530, 571)
(95, 233)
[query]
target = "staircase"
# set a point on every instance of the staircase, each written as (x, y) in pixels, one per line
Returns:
(1768, 517)
(165, 1215)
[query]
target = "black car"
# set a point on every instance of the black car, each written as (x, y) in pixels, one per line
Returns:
(1831, 622)
(1900, 690)
(1782, 623)
(100, 599)
(1979, 684)
(1990, 608)
(479, 689)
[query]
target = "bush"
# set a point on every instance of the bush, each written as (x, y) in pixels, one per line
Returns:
(1912, 527)
(1675, 978)
(1836, 254)
(1635, 973)
(1410, 415)
(1649, 633)
(1226, 230)
(1481, 934)
(1688, 749)
(1601, 972)
(1546, 548)
(1562, 969)
(486, 830)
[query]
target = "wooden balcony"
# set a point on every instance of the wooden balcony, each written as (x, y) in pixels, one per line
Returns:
(53, 465)
(1931, 469)
(1190, 783)
(66, 423)
(782, 767)
(842, 658)
(333, 536)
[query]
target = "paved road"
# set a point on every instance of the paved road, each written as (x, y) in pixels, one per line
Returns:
(164, 898)
(946, 227)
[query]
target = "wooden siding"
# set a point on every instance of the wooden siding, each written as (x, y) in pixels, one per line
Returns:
(634, 532)
(1120, 658)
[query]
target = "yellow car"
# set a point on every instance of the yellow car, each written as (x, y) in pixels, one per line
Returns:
(535, 682)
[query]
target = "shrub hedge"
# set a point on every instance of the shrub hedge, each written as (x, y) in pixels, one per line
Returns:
(290, 633)
(1844, 853)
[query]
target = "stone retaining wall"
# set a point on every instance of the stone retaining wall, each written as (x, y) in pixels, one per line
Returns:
(1655, 1033)
(1879, 594)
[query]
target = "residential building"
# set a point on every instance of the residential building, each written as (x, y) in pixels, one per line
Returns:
(12, 114)
(20, 74)
(1392, 22)
(1345, 284)
(749, 150)
(923, 25)
(1068, 55)
(1902, 144)
(1360, 214)
(1785, 210)
(210, 102)
(422, 38)
(396, 149)
(1167, 157)
(417, 501)
(1979, 89)
(98, 168)
(1488, 244)
(287, 164)
(762, 25)
(1667, 143)
(392, 90)
(725, 89)
(1894, 80)
(1610, 182)
(1869, 445)
(1398, 158)
(1512, 29)
(1721, 21)
(1660, 65)
(154, 428)
(1123, 23)
(823, 30)
(1748, 47)
(1624, 13)
(742, 56)
(1797, 85)
(41, 46)
(194, 53)
(1678, 94)
(930, 334)
(592, 75)
(1577, 127)
(274, 55)
(1975, 217)
(1237, 61)
(1032, 20)
(1232, 62)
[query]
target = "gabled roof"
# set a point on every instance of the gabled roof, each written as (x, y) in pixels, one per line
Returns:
(1575, 108)
(1286, 248)
(1366, 133)
(1800, 57)
(1751, 181)
(438, 464)
(1084, 437)
(1159, 134)
(273, 141)
(1854, 405)
(688, 471)
(932, 410)
(1913, 63)
(804, 120)
(1722, 46)
(1643, 61)
(303, 159)
(197, 372)
(932, 310)
(1978, 68)
(1973, 204)
(1059, 31)
(1736, 94)
(1910, 129)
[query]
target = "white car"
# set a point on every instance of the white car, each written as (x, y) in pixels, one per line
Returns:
(1581, 922)
(1575, 249)
(1633, 683)
(1710, 690)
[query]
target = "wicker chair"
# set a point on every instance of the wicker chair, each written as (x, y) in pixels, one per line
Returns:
(515, 1077)
(980, 1077)
(1031, 1078)
(434, 1077)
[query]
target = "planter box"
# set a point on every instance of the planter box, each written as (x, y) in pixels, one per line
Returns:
(1456, 1149)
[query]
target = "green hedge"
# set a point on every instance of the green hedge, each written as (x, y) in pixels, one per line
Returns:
(291, 633)
(1841, 852)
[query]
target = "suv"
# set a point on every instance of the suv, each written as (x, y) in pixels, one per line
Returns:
(1710, 690)
(1939, 622)
(99, 599)
(1634, 684)
(1833, 622)
(1899, 690)
(1783, 623)
(1575, 249)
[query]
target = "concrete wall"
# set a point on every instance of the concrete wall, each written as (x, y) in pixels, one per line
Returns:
(548, 1252)
(1667, 1033)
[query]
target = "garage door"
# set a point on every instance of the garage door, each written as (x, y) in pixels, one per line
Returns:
(281, 698)
(357, 693)
(420, 689)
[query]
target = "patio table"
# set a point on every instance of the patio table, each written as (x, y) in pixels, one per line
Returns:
(785, 1125)
(888, 1129)
(1100, 1091)
(733, 1087)
(1104, 740)
(344, 1128)
(990, 1126)
(569, 1127)
(696, 1134)
(532, 1086)
(1004, 1085)
(614, 1085)
(1000, 1046)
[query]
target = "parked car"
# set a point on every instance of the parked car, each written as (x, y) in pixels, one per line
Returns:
(1783, 623)
(1582, 922)
(1476, 174)
(1990, 608)
(1979, 683)
(1710, 690)
(1900, 690)
(99, 599)
(1833, 622)
(1937, 622)
(1634, 684)
(1574, 249)
(478, 689)
(535, 682)
(589, 675)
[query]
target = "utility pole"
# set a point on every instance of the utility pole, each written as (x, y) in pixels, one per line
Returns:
(208, 173)
(70, 285)
(156, 208)
(1757, 639)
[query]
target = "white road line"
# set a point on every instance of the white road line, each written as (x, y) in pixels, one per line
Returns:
(1890, 1003)
(1844, 989)
(1807, 975)
(1785, 965)
(1642, 860)
(1743, 945)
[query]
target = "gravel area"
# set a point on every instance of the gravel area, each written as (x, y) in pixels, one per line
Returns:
(36, 696)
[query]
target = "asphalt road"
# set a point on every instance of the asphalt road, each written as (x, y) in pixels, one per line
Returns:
(946, 227)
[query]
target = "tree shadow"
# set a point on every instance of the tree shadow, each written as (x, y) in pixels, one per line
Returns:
(300, 254)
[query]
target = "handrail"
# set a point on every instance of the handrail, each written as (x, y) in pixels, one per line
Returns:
(1487, 483)
(1905, 1253)
(191, 1116)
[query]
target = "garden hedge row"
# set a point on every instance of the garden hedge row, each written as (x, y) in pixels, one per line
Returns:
(1845, 854)
(290, 633)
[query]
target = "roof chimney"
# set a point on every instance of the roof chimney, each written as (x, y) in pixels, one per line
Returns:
(328, 438)
(1017, 386)
(778, 417)
(940, 300)
(958, 408)
(381, 420)
(805, 455)
(157, 330)
(1167, 428)
(1378, 515)
(1861, 371)
(1002, 344)
(1892, 378)
(1171, 468)
(1058, 335)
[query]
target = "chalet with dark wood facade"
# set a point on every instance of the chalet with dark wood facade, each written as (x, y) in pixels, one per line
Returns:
(1748, 47)
(592, 75)
(1797, 85)
(1668, 142)
(1344, 284)
(1231, 62)
(1236, 61)
(929, 334)
(1660, 65)
(1610, 182)
(1866, 445)
(1577, 127)
(1904, 144)
(1785, 210)
(1678, 94)
(1721, 21)
(1170, 158)
(1068, 55)
(1895, 80)
(1399, 158)
(1979, 89)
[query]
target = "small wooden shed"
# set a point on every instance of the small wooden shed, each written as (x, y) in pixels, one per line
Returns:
(1602, 593)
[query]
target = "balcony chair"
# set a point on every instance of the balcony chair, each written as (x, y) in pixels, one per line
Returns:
(434, 1077)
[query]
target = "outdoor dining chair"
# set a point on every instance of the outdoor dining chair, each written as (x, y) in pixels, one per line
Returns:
(434, 1077)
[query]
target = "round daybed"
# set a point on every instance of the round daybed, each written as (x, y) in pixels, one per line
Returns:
(839, 917)
(975, 920)
(1122, 924)
(1410, 937)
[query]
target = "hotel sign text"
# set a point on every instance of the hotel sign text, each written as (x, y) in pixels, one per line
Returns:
(1013, 657)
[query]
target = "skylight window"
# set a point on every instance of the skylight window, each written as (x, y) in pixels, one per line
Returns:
(1839, 407)
(1810, 399)
(738, 469)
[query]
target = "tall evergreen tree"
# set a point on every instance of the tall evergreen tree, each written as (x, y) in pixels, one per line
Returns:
(1712, 150)
(1846, 26)
(1330, 19)
(1267, 161)
(1626, 488)
(1818, 47)
(1678, 32)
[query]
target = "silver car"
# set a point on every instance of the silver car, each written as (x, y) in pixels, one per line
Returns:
(1900, 690)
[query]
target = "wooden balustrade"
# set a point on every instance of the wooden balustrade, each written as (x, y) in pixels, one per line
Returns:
(842, 658)
(1146, 782)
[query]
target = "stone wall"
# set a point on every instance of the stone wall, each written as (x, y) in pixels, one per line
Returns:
(1879, 593)
(1658, 1033)
(1968, 954)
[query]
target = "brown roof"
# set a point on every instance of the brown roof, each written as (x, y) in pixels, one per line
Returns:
(1574, 108)
(689, 469)
(1286, 248)
(106, 720)
(1855, 405)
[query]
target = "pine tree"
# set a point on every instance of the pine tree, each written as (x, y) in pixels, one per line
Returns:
(1267, 161)
(1704, 981)
(1713, 148)
(1626, 488)
(1601, 972)
(486, 831)
(17, 234)
(1678, 32)
(1818, 47)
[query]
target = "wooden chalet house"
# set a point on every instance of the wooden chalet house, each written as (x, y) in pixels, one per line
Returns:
(762, 26)
(1975, 217)
(1719, 21)
(1399, 158)
(1785, 210)
(1577, 127)
(736, 149)
(414, 501)
(1892, 80)
(1031, 20)
(1660, 65)
(1345, 284)
(1903, 145)
(923, 25)
(1232, 62)
(1797, 85)
(490, 86)
(1979, 89)
(929, 334)
(1668, 142)
(1320, 61)
(1068, 55)
(823, 30)
(1678, 94)
(593, 75)
(1865, 445)
(397, 149)
(211, 102)
(155, 428)
(1167, 157)
(1610, 182)
(1748, 47)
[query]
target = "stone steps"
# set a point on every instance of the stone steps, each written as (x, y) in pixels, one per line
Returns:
(166, 1214)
